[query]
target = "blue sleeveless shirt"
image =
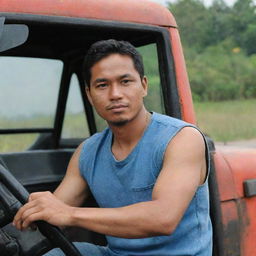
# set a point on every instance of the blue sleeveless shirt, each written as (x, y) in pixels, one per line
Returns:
(119, 183)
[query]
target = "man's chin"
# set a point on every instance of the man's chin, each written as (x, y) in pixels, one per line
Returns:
(118, 123)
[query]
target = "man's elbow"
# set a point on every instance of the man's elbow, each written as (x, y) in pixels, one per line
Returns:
(166, 227)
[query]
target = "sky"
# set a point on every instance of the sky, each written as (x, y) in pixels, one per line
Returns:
(207, 2)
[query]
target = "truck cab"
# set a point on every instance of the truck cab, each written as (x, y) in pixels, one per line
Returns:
(45, 115)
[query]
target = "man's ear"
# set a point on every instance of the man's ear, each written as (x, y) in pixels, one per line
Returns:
(88, 93)
(144, 83)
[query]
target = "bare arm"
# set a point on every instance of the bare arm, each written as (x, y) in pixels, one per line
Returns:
(73, 189)
(183, 171)
(56, 208)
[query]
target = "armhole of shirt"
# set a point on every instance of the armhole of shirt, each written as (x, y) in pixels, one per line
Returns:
(81, 160)
(207, 159)
(163, 146)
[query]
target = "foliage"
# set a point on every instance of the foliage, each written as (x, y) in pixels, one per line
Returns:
(242, 21)
(221, 72)
(220, 48)
(193, 25)
(202, 26)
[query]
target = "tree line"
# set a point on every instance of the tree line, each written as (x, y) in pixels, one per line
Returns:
(220, 47)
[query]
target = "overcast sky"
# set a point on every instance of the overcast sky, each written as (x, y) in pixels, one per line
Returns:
(207, 2)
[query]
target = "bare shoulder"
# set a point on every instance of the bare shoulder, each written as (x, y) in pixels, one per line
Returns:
(75, 157)
(73, 179)
(79, 149)
(73, 166)
(189, 138)
(190, 132)
(187, 151)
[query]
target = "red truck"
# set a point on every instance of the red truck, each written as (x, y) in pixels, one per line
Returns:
(44, 113)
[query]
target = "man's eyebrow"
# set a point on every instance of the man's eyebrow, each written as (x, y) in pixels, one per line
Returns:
(99, 80)
(125, 76)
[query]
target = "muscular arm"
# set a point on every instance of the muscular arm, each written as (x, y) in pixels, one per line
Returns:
(73, 189)
(183, 171)
(55, 208)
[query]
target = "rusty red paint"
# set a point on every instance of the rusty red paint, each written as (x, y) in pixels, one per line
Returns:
(183, 86)
(249, 228)
(231, 227)
(141, 11)
(243, 166)
(233, 167)
(225, 179)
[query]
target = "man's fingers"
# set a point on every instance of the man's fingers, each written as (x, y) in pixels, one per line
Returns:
(41, 206)
(18, 218)
(30, 219)
(36, 195)
(30, 211)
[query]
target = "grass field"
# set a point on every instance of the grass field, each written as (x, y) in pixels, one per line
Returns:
(222, 121)
(228, 120)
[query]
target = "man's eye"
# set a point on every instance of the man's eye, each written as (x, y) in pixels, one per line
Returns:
(126, 81)
(101, 85)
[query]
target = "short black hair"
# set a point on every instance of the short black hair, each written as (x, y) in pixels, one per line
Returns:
(104, 48)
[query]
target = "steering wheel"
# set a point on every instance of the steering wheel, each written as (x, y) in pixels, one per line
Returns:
(12, 196)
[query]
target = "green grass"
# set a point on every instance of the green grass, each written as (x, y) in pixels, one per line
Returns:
(75, 127)
(38, 121)
(16, 142)
(20, 142)
(228, 120)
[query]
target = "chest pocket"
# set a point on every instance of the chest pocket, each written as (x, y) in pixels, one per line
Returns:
(143, 193)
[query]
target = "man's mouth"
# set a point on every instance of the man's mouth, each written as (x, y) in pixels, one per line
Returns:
(117, 107)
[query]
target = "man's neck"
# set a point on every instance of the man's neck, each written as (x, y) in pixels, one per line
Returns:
(126, 137)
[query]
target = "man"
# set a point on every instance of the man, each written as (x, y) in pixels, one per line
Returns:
(148, 172)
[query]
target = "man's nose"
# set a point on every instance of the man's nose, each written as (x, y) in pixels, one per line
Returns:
(115, 92)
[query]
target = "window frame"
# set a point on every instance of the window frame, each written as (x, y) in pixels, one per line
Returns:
(150, 34)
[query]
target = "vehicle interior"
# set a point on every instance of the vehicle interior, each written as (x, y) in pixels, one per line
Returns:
(45, 114)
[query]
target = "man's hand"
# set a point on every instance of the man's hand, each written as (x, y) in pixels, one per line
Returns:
(43, 206)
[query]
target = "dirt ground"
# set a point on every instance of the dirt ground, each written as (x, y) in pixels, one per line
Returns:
(242, 143)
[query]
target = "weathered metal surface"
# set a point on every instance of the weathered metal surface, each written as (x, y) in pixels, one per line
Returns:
(233, 167)
(248, 215)
(231, 227)
(236, 224)
(225, 178)
(243, 166)
(141, 11)
(183, 86)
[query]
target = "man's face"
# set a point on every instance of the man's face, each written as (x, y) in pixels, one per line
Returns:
(116, 89)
